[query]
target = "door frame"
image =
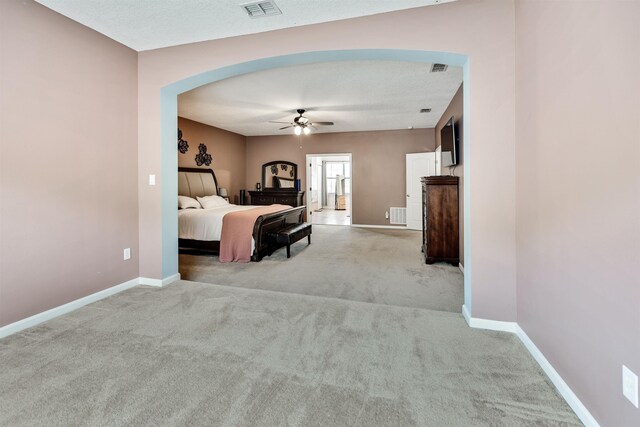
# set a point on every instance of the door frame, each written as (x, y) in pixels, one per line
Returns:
(308, 181)
(430, 154)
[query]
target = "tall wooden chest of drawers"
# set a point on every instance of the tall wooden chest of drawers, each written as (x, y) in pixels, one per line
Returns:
(440, 220)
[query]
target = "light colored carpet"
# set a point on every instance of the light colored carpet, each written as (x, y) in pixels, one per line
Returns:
(359, 264)
(200, 354)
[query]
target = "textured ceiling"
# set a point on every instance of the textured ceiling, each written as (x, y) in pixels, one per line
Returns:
(355, 95)
(152, 24)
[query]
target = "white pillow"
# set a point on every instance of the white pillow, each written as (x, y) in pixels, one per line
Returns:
(185, 202)
(209, 202)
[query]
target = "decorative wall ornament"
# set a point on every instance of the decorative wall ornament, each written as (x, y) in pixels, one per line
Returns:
(203, 158)
(284, 167)
(291, 173)
(183, 145)
(274, 169)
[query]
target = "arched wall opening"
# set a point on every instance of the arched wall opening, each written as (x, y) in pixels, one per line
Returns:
(169, 124)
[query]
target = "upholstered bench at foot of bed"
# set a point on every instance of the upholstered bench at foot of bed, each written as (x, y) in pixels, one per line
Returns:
(291, 234)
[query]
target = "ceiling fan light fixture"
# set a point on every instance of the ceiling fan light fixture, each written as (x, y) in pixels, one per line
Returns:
(301, 124)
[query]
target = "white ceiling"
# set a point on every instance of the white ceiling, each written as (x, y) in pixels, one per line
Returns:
(355, 95)
(152, 24)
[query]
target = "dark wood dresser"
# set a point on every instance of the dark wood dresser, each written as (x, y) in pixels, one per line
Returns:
(282, 197)
(440, 226)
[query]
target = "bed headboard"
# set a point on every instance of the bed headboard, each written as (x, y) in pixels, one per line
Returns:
(195, 182)
(280, 182)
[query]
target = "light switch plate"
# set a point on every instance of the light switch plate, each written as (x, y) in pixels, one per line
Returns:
(127, 254)
(630, 385)
(152, 179)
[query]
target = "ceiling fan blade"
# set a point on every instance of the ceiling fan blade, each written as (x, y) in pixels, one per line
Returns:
(272, 121)
(285, 127)
(321, 124)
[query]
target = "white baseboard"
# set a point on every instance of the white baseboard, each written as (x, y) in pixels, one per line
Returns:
(159, 282)
(36, 319)
(563, 388)
(461, 267)
(493, 325)
(392, 227)
(169, 280)
(466, 315)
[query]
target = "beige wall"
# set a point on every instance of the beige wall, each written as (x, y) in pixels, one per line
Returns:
(68, 116)
(228, 150)
(455, 109)
(484, 30)
(578, 205)
(68, 161)
(379, 177)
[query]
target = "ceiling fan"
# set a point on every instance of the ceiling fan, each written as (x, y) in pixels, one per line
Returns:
(301, 124)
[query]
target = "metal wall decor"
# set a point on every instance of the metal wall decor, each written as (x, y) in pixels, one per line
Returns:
(183, 145)
(203, 158)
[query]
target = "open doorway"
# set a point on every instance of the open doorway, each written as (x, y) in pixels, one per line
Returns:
(332, 234)
(329, 188)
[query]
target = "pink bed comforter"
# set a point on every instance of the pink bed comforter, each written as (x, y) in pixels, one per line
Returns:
(237, 231)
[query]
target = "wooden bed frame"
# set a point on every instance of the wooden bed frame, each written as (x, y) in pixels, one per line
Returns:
(265, 226)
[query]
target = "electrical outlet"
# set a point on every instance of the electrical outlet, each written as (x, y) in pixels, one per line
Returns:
(127, 254)
(386, 215)
(152, 179)
(630, 385)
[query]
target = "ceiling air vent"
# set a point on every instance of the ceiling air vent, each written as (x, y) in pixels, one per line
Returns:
(260, 9)
(425, 110)
(438, 68)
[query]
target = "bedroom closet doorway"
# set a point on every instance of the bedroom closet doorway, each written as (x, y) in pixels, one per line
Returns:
(329, 184)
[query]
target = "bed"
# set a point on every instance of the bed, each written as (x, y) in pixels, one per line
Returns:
(200, 230)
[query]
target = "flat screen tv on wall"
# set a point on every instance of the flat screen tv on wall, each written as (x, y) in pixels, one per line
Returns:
(449, 143)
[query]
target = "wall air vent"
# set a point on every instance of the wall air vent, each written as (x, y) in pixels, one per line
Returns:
(398, 215)
(261, 9)
(425, 110)
(438, 68)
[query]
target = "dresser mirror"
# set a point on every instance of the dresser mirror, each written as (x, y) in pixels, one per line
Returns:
(279, 175)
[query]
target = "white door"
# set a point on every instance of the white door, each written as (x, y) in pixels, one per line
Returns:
(418, 165)
(314, 185)
(439, 160)
(310, 188)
